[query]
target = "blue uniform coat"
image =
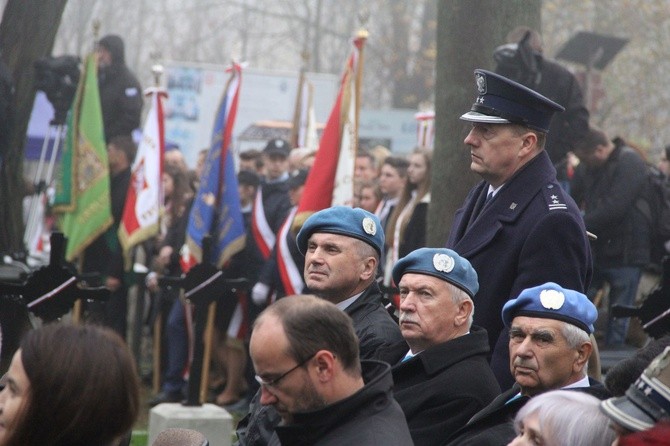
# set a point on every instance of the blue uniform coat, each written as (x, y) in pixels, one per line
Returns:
(530, 233)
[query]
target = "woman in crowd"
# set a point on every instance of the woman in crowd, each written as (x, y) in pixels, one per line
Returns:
(69, 385)
(178, 200)
(562, 418)
(406, 228)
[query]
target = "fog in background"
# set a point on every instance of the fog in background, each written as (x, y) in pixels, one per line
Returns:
(633, 100)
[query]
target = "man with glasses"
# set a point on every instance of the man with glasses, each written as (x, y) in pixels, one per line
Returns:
(342, 247)
(305, 353)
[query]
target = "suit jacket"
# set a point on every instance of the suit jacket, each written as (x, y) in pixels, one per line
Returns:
(441, 388)
(530, 233)
(492, 426)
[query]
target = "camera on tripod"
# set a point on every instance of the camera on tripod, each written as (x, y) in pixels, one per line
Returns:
(58, 77)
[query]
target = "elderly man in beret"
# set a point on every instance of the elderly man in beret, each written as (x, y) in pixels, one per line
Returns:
(342, 246)
(517, 227)
(444, 377)
(549, 343)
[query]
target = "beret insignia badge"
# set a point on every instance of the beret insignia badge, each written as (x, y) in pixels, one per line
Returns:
(552, 299)
(369, 226)
(443, 263)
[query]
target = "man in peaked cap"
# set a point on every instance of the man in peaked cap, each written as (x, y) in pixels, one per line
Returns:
(517, 226)
(646, 402)
(341, 246)
(549, 328)
(444, 377)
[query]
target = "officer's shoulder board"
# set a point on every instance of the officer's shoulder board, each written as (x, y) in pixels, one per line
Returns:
(554, 196)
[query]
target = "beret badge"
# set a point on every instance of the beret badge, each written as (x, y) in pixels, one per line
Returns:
(443, 263)
(369, 226)
(552, 299)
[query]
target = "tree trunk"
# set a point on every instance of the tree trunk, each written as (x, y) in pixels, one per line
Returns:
(27, 33)
(467, 33)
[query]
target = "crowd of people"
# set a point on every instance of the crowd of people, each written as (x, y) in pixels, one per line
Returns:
(353, 331)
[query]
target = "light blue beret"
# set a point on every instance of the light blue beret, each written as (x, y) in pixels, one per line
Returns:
(551, 301)
(442, 263)
(352, 222)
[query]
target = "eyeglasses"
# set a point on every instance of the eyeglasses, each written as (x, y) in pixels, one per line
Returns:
(273, 382)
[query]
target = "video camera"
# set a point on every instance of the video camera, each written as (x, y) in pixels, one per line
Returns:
(519, 62)
(58, 77)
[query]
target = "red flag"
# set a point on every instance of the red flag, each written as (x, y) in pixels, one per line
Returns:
(141, 212)
(330, 181)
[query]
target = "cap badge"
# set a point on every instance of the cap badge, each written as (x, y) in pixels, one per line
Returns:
(480, 79)
(369, 226)
(443, 263)
(552, 299)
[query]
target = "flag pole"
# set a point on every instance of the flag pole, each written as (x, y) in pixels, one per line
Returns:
(295, 129)
(361, 37)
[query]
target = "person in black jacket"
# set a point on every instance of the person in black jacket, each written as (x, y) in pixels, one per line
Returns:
(549, 328)
(104, 255)
(444, 377)
(342, 248)
(120, 91)
(522, 60)
(609, 185)
(305, 353)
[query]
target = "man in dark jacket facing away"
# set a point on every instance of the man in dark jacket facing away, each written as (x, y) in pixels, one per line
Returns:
(305, 353)
(120, 91)
(609, 185)
(444, 377)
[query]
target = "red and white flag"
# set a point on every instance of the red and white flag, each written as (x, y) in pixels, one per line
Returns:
(330, 181)
(425, 128)
(141, 213)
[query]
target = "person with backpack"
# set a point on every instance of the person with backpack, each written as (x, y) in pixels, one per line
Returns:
(609, 185)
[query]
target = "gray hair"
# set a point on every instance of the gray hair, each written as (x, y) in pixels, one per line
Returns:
(458, 295)
(574, 335)
(568, 417)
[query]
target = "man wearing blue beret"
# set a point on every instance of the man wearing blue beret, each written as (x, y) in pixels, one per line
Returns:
(550, 345)
(517, 226)
(444, 377)
(341, 246)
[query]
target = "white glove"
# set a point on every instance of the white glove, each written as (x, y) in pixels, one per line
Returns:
(259, 293)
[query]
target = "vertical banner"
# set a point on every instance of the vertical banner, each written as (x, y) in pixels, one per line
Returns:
(216, 209)
(141, 212)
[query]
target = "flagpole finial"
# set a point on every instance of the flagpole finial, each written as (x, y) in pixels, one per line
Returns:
(96, 29)
(363, 18)
(157, 70)
(305, 56)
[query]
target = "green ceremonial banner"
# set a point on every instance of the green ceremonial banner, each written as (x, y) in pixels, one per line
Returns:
(89, 213)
